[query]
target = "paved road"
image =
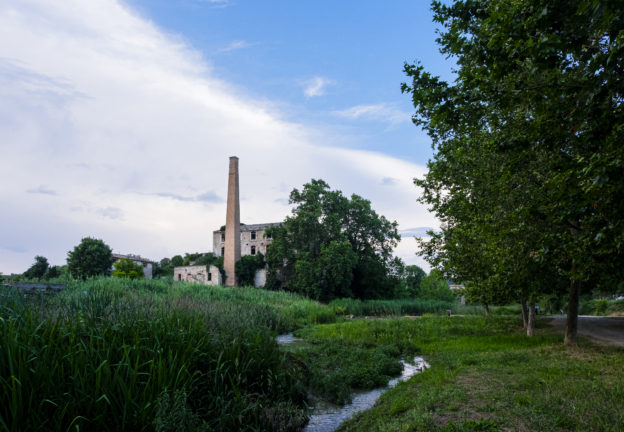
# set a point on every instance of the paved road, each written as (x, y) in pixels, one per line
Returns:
(609, 330)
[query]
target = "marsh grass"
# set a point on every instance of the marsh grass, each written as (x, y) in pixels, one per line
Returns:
(485, 375)
(115, 355)
(397, 307)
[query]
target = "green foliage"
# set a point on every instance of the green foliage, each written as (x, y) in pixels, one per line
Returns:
(92, 257)
(434, 287)
(149, 355)
(38, 269)
(54, 272)
(246, 268)
(486, 375)
(384, 308)
(527, 146)
(177, 261)
(126, 268)
(332, 246)
(413, 278)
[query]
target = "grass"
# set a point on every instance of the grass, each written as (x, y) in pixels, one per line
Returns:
(396, 307)
(116, 355)
(485, 375)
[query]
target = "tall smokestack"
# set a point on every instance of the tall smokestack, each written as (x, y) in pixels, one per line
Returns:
(232, 253)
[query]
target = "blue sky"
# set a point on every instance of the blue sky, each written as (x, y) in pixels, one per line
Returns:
(347, 54)
(117, 117)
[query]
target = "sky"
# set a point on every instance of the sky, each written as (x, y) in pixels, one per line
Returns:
(117, 117)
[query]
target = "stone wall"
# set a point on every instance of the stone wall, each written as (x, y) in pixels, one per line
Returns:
(198, 274)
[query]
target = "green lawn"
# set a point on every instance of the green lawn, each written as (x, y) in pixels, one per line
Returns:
(485, 375)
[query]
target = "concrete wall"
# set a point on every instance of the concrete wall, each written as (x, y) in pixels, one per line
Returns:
(198, 274)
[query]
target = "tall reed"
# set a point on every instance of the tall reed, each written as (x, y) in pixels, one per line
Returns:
(116, 355)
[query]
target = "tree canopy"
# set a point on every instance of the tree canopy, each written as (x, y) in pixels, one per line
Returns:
(126, 268)
(92, 257)
(333, 246)
(526, 176)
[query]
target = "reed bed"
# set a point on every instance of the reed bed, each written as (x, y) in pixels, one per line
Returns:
(115, 355)
(396, 307)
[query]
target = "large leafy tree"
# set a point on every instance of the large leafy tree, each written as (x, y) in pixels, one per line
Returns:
(333, 246)
(528, 162)
(92, 257)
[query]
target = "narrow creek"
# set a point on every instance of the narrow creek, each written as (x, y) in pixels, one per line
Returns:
(327, 417)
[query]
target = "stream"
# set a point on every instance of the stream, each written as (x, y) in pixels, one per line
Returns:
(327, 417)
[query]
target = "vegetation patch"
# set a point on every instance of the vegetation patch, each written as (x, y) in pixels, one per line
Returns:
(487, 376)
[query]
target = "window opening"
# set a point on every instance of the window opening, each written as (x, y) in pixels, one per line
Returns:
(253, 250)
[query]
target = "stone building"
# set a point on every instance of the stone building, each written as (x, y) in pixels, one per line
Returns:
(253, 239)
(198, 274)
(232, 243)
(137, 259)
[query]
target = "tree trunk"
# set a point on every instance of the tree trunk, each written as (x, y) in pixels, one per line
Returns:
(572, 318)
(487, 309)
(531, 320)
(525, 317)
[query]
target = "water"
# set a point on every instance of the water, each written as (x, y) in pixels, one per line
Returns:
(327, 417)
(286, 339)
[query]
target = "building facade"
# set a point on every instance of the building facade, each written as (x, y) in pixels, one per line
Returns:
(253, 239)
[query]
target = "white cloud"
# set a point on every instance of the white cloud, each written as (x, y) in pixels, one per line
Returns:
(316, 86)
(126, 122)
(380, 112)
(235, 45)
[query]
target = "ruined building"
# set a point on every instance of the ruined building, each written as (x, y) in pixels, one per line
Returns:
(232, 243)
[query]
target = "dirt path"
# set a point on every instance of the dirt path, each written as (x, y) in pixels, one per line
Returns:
(608, 330)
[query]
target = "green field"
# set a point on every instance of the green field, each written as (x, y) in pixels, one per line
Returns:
(486, 375)
(114, 355)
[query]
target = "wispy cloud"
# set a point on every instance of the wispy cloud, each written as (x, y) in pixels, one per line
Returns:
(416, 232)
(216, 3)
(236, 45)
(380, 112)
(388, 181)
(42, 190)
(316, 86)
(210, 196)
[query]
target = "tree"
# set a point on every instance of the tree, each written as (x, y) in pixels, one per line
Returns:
(126, 268)
(332, 246)
(53, 272)
(413, 278)
(434, 287)
(38, 269)
(92, 257)
(246, 269)
(527, 143)
(177, 261)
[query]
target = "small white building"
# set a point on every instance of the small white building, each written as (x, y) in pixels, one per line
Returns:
(198, 274)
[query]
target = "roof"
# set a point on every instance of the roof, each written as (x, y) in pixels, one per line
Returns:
(133, 258)
(257, 227)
